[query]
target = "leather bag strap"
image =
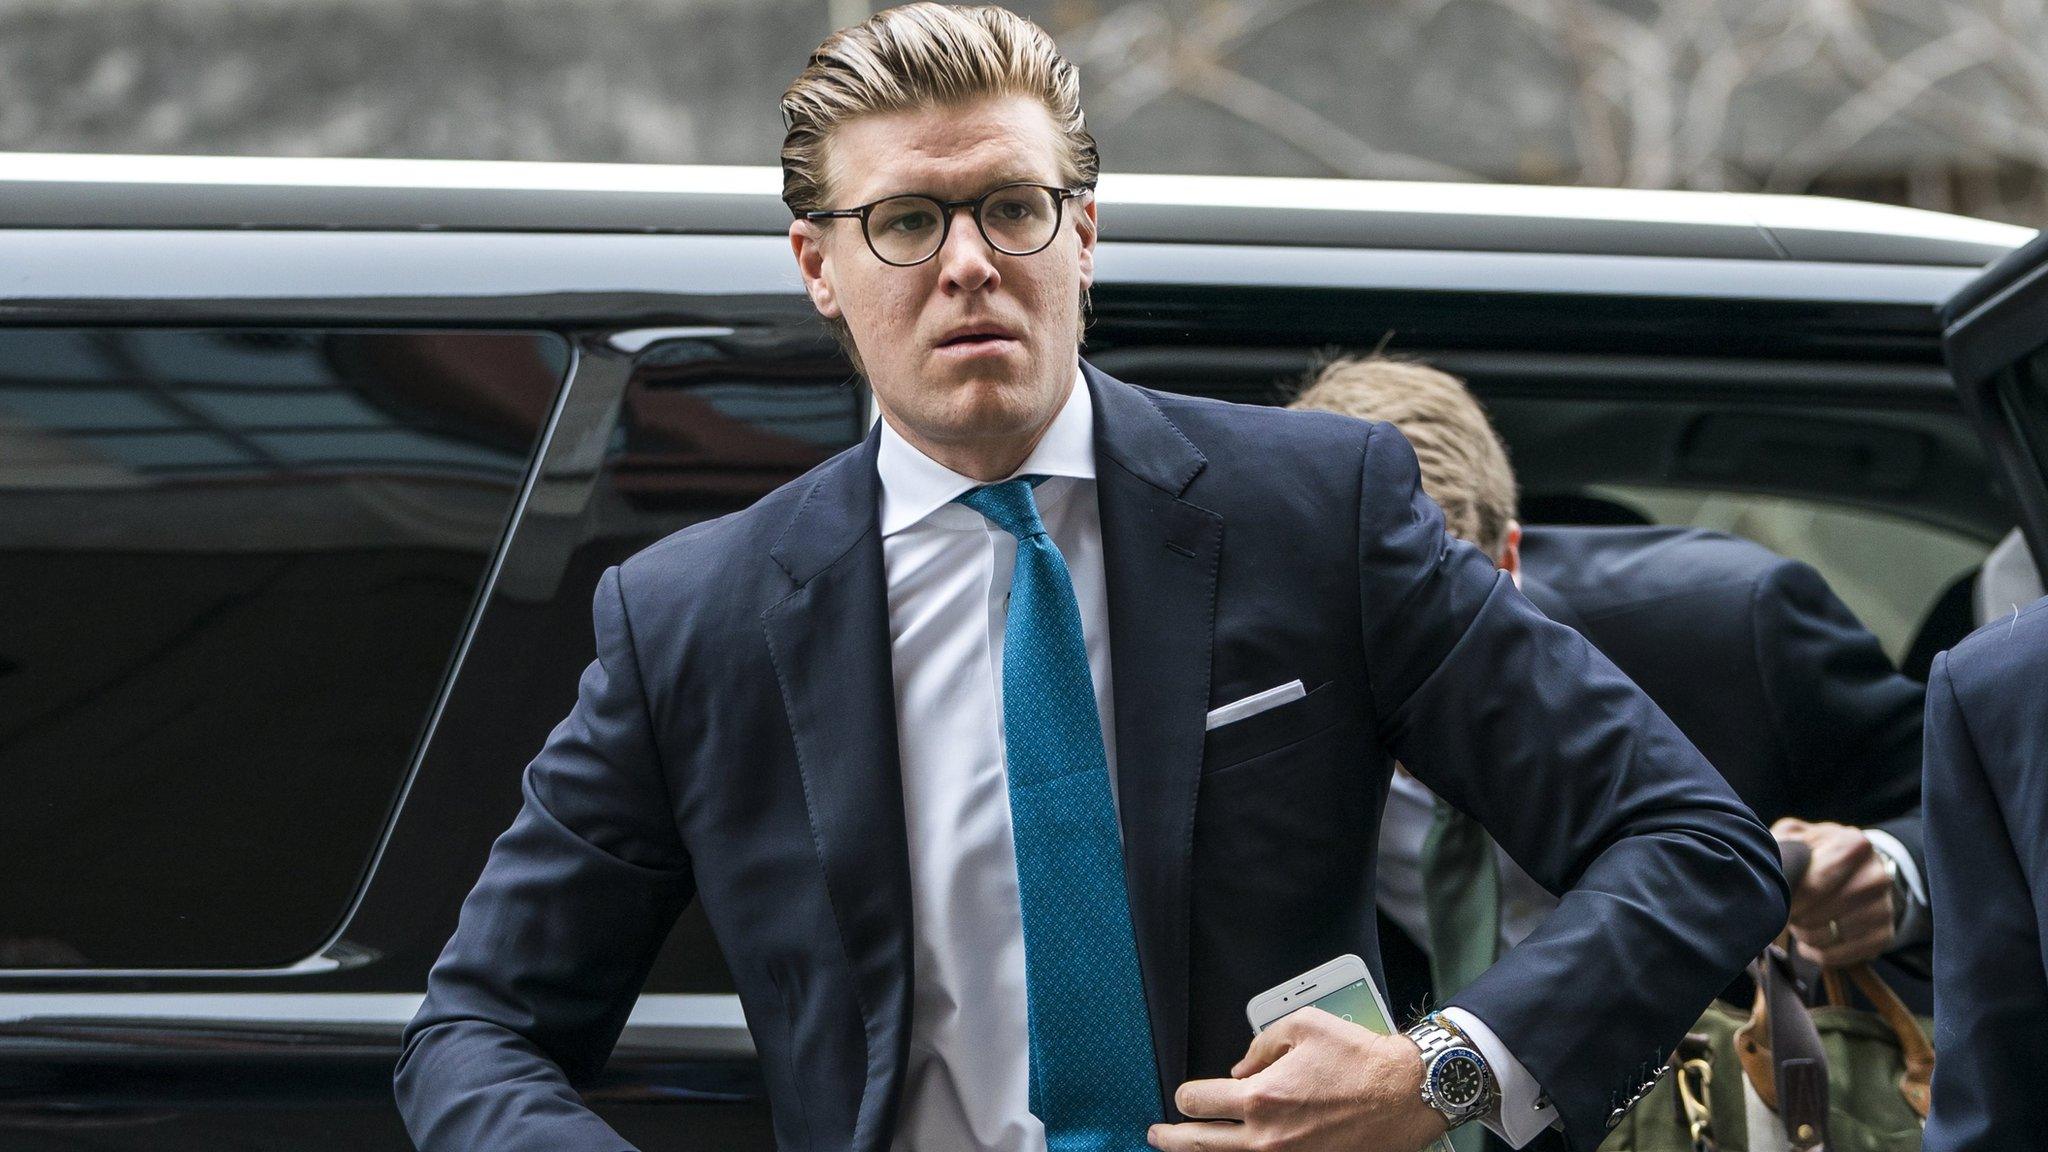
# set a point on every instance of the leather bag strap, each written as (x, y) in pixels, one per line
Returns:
(1915, 1049)
(1914, 1045)
(1780, 1048)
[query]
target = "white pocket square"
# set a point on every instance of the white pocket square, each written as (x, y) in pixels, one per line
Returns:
(1254, 704)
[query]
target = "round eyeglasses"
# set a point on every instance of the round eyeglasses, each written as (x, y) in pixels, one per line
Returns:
(1016, 220)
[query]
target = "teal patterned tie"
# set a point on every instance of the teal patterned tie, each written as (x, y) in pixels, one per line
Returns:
(1094, 1082)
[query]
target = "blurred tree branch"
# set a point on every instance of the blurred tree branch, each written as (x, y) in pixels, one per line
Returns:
(1942, 103)
(1774, 95)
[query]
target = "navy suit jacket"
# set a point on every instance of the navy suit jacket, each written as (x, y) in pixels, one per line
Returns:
(735, 742)
(1756, 660)
(1761, 666)
(1987, 855)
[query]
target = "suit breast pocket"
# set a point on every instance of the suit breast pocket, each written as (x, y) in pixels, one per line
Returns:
(1270, 731)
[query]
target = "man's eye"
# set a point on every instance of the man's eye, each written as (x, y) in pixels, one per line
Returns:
(1013, 210)
(909, 222)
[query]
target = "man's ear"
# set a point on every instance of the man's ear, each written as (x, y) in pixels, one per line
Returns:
(807, 240)
(1084, 227)
(1511, 551)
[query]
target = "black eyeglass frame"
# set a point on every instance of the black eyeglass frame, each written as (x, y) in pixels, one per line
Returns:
(1060, 196)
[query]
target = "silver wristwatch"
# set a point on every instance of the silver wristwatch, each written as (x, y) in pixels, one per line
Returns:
(1902, 893)
(1455, 1078)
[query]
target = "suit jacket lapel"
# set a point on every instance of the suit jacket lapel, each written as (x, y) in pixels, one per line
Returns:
(829, 640)
(1160, 555)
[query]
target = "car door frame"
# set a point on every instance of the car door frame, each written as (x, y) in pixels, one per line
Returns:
(1989, 329)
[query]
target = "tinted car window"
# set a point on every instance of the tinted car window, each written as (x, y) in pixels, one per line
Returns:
(696, 428)
(1889, 570)
(1893, 506)
(234, 567)
(1883, 486)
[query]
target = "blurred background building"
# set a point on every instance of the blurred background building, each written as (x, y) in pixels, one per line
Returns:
(1936, 103)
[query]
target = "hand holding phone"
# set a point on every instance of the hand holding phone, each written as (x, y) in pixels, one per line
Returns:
(1344, 988)
(1311, 1083)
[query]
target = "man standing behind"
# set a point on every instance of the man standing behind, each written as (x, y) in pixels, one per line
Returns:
(1749, 652)
(1011, 751)
(1987, 855)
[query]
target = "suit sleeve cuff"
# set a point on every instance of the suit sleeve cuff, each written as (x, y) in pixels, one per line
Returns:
(1522, 1110)
(1915, 927)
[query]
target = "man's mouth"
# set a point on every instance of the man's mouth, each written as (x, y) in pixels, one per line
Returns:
(977, 337)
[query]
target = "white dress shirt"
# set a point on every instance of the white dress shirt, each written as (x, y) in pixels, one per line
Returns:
(948, 570)
(967, 1085)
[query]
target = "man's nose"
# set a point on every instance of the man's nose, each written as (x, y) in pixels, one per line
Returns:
(966, 261)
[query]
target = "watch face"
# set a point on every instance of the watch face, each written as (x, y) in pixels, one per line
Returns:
(1458, 1080)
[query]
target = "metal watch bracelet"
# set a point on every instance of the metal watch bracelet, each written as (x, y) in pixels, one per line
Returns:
(1456, 1080)
(1902, 893)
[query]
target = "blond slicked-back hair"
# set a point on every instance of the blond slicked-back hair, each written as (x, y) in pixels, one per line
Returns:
(920, 56)
(1464, 464)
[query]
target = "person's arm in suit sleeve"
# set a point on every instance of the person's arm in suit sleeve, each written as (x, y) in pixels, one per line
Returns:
(1668, 883)
(1847, 723)
(1989, 980)
(556, 939)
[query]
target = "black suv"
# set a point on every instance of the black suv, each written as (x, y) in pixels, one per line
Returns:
(308, 469)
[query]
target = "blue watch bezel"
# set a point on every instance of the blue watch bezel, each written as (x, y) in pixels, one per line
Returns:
(1433, 1079)
(1440, 1040)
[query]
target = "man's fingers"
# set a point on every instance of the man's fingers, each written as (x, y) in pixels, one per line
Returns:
(1860, 903)
(1842, 909)
(1211, 1099)
(1833, 864)
(1270, 1045)
(1854, 949)
(1852, 925)
(1838, 854)
(1833, 933)
(1198, 1136)
(1868, 922)
(1865, 897)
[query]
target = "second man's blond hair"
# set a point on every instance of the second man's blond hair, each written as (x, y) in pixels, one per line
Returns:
(1464, 464)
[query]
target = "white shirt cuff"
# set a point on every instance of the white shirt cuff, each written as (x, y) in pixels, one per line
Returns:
(1914, 928)
(1522, 1110)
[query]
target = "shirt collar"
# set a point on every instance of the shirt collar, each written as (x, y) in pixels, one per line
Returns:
(914, 485)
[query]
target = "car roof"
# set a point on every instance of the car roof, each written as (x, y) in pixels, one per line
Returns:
(57, 190)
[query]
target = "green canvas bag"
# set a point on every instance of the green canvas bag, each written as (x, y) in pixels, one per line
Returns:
(1708, 1086)
(1788, 1077)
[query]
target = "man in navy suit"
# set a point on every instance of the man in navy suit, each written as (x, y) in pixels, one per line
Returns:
(1987, 857)
(1010, 752)
(1748, 652)
(1785, 691)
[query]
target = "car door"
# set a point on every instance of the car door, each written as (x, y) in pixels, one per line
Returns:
(1995, 337)
(287, 608)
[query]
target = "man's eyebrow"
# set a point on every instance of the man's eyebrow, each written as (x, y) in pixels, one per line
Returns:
(991, 185)
(1017, 178)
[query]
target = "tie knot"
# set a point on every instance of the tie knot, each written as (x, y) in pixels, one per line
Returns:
(1009, 505)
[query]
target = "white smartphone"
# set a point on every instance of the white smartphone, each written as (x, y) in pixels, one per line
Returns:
(1343, 988)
